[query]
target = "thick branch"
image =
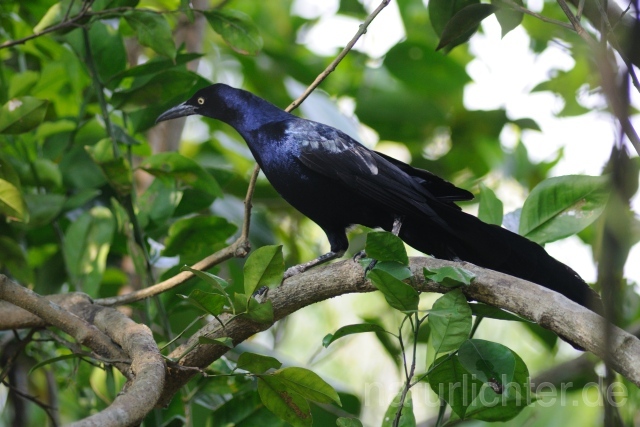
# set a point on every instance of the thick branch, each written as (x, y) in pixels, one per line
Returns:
(84, 332)
(141, 394)
(549, 309)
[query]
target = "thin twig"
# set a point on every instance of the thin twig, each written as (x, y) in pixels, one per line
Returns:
(608, 77)
(519, 8)
(45, 407)
(340, 57)
(53, 28)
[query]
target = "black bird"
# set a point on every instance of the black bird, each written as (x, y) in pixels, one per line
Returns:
(338, 182)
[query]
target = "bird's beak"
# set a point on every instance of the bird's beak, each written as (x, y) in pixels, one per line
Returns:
(181, 110)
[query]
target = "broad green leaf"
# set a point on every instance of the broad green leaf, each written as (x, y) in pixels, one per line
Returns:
(107, 48)
(225, 341)
(488, 361)
(511, 399)
(384, 246)
(351, 329)
(196, 237)
(507, 16)
(154, 66)
(491, 209)
(307, 384)
(398, 294)
(240, 302)
(12, 204)
(182, 168)
(236, 29)
(450, 277)
(453, 383)
(257, 363)
(352, 8)
(348, 422)
(158, 203)
(407, 418)
(450, 322)
(264, 267)
(283, 402)
(43, 208)
(152, 30)
(87, 241)
(399, 271)
(211, 303)
(483, 310)
(21, 115)
(464, 24)
(116, 169)
(216, 282)
(561, 206)
(441, 12)
(261, 312)
(14, 259)
(22, 83)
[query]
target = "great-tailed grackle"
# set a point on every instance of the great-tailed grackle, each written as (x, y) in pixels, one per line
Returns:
(337, 182)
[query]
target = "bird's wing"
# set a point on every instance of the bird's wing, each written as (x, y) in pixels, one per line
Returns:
(332, 153)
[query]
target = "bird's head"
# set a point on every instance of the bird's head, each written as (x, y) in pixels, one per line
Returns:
(210, 101)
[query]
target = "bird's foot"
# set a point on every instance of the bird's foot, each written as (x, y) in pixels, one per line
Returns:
(261, 293)
(371, 265)
(360, 255)
(292, 271)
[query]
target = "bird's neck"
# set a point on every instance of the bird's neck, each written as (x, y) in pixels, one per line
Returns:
(247, 113)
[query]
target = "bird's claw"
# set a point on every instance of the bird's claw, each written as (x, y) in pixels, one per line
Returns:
(261, 293)
(292, 271)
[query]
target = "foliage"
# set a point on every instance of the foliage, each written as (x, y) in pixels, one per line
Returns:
(89, 203)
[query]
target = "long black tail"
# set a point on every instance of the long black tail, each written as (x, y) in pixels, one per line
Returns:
(496, 248)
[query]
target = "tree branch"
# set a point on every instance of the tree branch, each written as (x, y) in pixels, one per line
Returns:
(551, 310)
(79, 328)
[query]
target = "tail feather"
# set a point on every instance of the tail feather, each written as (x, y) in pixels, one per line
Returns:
(498, 249)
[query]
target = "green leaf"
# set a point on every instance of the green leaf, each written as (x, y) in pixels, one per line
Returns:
(407, 418)
(384, 246)
(236, 29)
(216, 282)
(14, 259)
(107, 48)
(491, 208)
(116, 169)
(453, 383)
(152, 30)
(86, 245)
(307, 384)
(348, 422)
(351, 329)
(398, 294)
(21, 115)
(399, 271)
(43, 208)
(158, 203)
(257, 363)
(507, 16)
(211, 303)
(488, 361)
(264, 267)
(450, 322)
(12, 204)
(441, 12)
(196, 237)
(450, 277)
(561, 206)
(240, 302)
(182, 168)
(511, 399)
(464, 24)
(286, 404)
(225, 341)
(260, 312)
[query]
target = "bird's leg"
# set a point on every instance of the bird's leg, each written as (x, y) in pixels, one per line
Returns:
(301, 268)
(395, 230)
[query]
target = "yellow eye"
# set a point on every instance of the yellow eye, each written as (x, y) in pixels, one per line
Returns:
(201, 100)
